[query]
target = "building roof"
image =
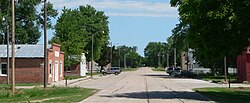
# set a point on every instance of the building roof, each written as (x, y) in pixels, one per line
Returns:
(24, 51)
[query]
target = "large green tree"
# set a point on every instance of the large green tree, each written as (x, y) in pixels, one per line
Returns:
(28, 20)
(214, 28)
(154, 52)
(74, 31)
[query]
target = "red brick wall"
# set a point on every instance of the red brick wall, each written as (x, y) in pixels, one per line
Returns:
(26, 70)
(29, 70)
(74, 70)
(243, 65)
(52, 57)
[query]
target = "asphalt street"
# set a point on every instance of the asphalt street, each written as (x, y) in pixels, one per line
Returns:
(145, 86)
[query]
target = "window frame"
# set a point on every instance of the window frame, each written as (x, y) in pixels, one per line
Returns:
(2, 69)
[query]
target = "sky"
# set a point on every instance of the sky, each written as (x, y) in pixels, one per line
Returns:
(131, 22)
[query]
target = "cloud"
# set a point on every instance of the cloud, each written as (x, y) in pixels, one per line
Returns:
(123, 8)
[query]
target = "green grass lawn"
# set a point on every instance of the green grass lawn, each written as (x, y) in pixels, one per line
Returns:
(226, 95)
(54, 94)
(217, 79)
(129, 69)
(23, 84)
(73, 77)
(158, 69)
(94, 73)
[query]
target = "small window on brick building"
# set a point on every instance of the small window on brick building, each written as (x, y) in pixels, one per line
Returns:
(50, 67)
(3, 69)
(61, 68)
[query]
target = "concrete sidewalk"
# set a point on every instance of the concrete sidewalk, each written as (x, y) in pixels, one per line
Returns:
(62, 83)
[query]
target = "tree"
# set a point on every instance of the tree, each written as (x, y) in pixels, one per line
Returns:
(214, 28)
(28, 20)
(153, 52)
(74, 31)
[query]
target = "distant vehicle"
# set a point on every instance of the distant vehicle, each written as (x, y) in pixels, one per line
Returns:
(112, 70)
(172, 69)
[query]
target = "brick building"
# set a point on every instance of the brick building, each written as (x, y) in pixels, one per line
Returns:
(29, 60)
(243, 65)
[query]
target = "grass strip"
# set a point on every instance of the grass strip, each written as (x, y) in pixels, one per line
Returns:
(48, 95)
(226, 95)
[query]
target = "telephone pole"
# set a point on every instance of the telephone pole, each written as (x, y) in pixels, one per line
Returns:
(13, 45)
(45, 45)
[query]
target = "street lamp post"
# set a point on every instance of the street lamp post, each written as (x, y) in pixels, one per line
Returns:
(8, 42)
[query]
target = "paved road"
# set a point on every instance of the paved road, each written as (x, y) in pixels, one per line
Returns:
(145, 86)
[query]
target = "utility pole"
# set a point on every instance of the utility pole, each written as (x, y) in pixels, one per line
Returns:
(45, 45)
(159, 60)
(13, 45)
(111, 54)
(125, 64)
(167, 59)
(119, 57)
(8, 56)
(92, 56)
(175, 57)
(225, 68)
(5, 23)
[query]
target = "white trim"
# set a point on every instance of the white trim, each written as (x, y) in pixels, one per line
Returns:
(1, 69)
(61, 68)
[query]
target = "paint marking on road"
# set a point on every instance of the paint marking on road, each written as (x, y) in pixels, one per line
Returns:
(146, 84)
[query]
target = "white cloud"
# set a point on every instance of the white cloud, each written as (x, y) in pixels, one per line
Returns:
(122, 8)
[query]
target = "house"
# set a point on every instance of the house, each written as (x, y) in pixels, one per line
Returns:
(188, 62)
(79, 69)
(243, 65)
(29, 63)
(95, 67)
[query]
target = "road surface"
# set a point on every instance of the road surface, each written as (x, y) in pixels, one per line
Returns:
(145, 86)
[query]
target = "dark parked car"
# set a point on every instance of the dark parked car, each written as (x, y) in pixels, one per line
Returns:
(171, 70)
(112, 70)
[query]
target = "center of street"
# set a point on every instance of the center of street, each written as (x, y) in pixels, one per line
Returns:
(144, 86)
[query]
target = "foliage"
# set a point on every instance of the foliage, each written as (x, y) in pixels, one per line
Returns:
(233, 95)
(74, 31)
(119, 53)
(154, 52)
(28, 20)
(55, 94)
(214, 28)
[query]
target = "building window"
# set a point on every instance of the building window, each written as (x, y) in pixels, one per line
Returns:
(3, 70)
(61, 68)
(50, 68)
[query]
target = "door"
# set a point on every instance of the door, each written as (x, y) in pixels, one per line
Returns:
(56, 71)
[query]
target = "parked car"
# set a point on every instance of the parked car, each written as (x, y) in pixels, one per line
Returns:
(172, 69)
(112, 70)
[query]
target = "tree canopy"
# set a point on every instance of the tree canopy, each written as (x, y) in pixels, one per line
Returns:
(74, 31)
(154, 52)
(28, 20)
(214, 28)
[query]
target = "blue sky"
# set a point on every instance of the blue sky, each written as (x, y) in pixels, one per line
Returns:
(131, 22)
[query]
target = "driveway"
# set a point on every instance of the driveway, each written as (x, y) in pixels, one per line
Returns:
(145, 86)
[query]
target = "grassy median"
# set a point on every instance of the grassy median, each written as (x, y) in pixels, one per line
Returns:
(226, 95)
(49, 95)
